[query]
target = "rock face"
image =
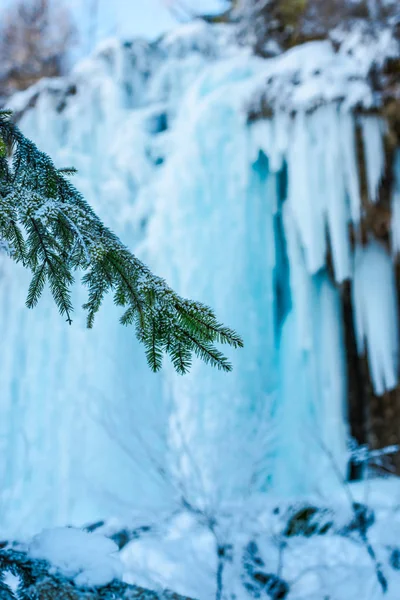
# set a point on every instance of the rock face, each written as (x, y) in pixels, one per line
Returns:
(275, 25)
(40, 582)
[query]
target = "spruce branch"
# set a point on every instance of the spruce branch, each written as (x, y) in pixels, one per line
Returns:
(52, 231)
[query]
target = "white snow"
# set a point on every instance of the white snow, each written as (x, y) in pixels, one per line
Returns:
(335, 565)
(366, 45)
(89, 559)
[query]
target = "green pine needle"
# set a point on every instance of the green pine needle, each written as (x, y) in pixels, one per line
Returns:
(51, 229)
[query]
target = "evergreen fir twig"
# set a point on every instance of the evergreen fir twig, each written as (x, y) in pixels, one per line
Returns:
(50, 229)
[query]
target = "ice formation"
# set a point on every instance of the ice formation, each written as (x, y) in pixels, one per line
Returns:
(375, 303)
(244, 216)
(396, 206)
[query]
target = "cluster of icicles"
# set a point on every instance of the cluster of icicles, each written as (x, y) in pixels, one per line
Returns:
(323, 198)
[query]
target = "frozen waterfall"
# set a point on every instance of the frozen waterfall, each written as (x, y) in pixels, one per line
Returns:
(250, 217)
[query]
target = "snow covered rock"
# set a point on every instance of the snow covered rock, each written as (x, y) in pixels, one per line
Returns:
(350, 67)
(308, 521)
(256, 581)
(89, 559)
(68, 564)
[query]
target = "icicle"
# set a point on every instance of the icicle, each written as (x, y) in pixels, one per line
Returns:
(374, 153)
(304, 193)
(333, 189)
(280, 135)
(349, 152)
(322, 179)
(396, 206)
(299, 278)
(261, 138)
(272, 137)
(375, 307)
(314, 374)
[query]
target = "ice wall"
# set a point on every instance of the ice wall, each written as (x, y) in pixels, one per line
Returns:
(250, 218)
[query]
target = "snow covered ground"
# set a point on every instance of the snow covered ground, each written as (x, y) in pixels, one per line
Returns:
(345, 547)
(334, 564)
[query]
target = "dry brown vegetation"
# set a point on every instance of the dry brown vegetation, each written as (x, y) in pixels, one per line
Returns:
(35, 37)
